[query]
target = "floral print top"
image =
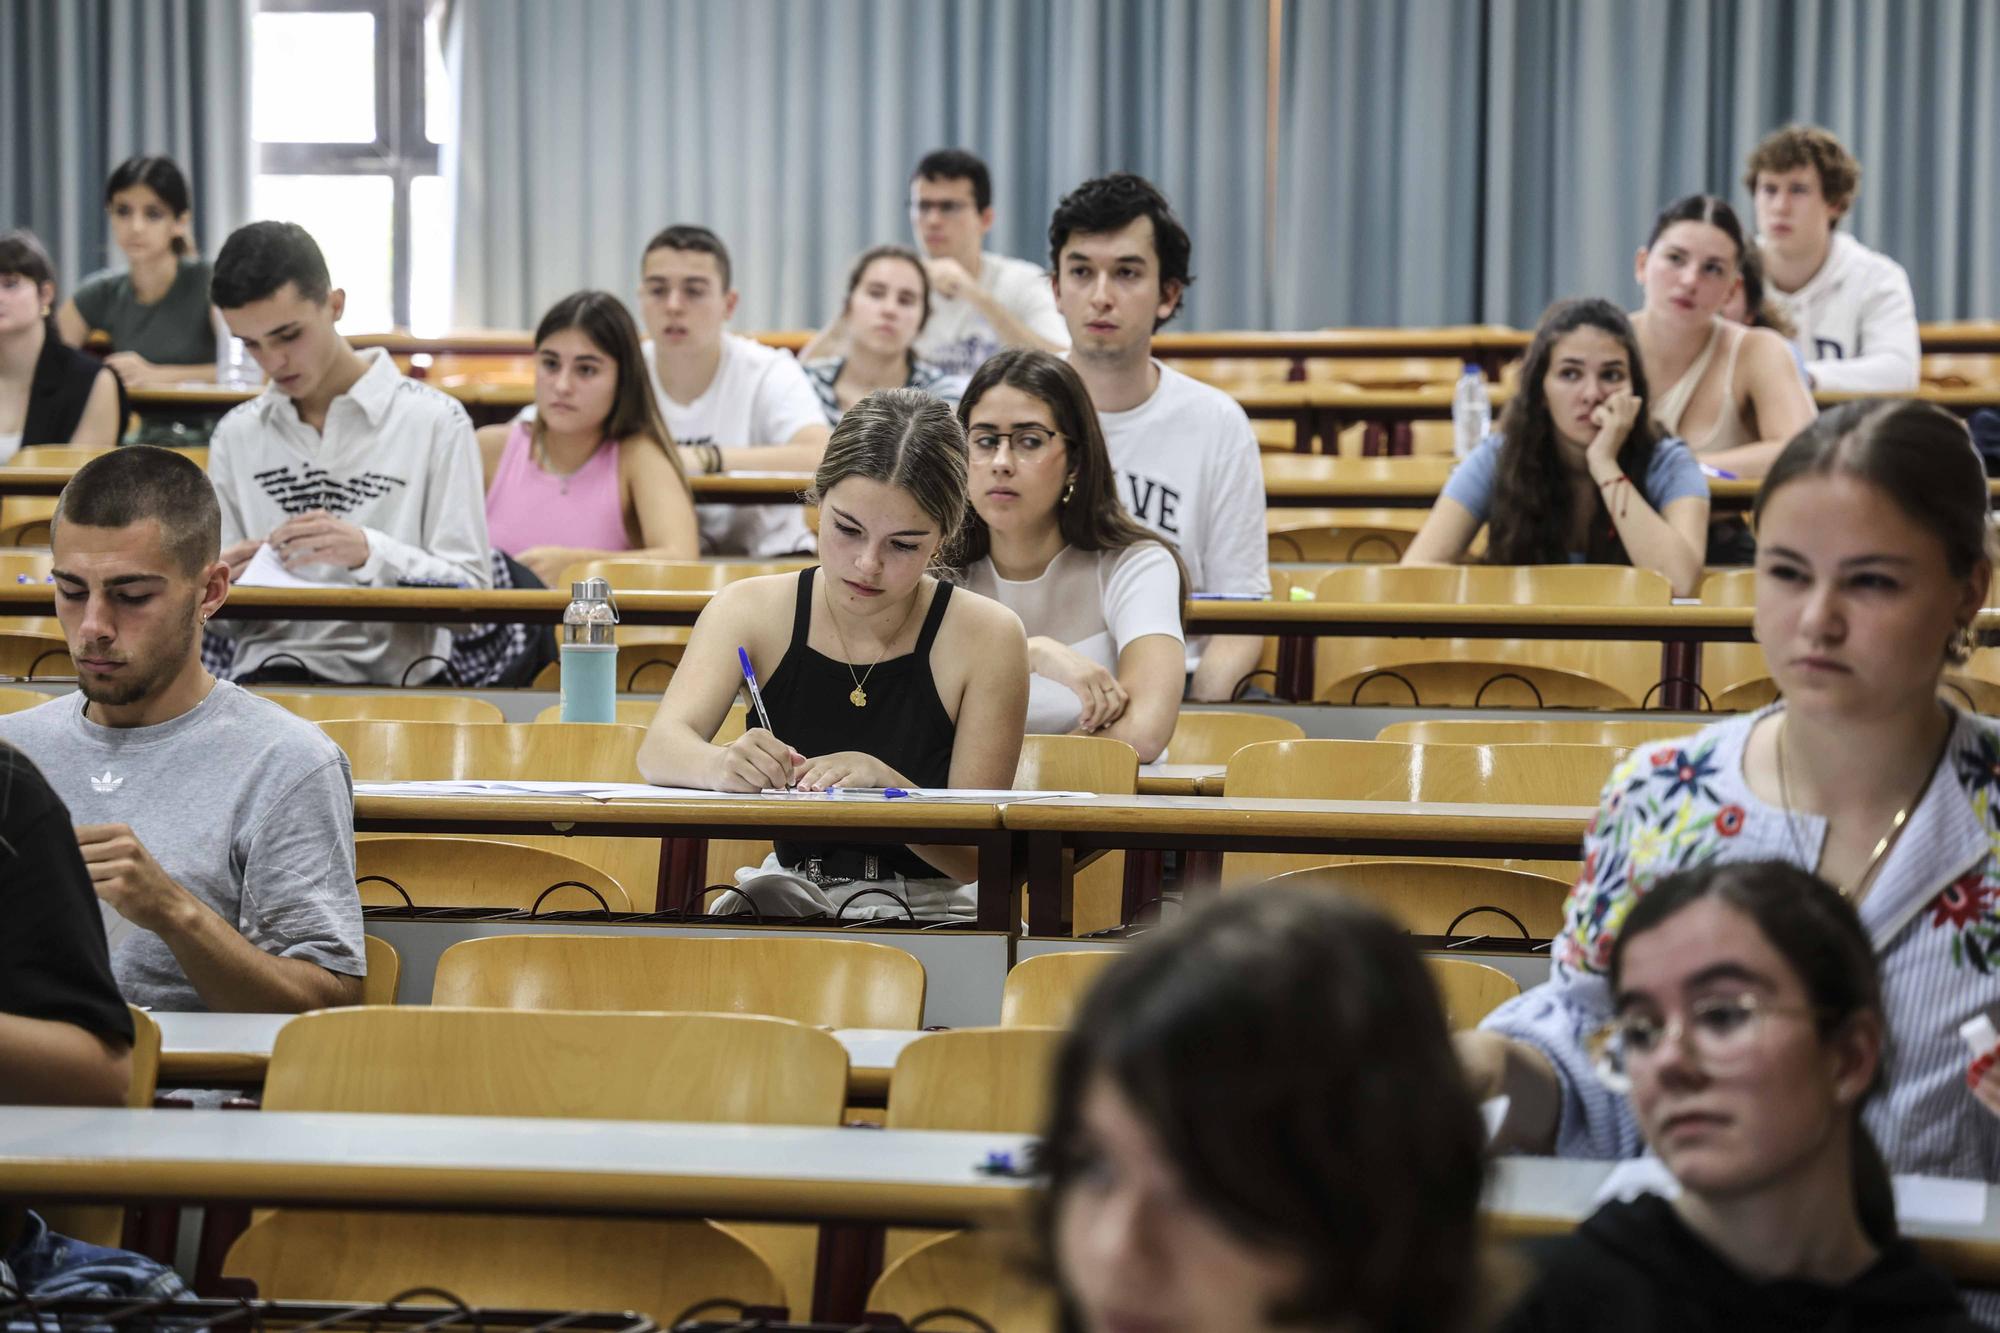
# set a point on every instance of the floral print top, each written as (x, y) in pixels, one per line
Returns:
(1933, 914)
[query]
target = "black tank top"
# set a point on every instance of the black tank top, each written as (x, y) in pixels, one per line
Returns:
(905, 724)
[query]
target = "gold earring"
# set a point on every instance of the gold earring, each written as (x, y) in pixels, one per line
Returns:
(1961, 643)
(1070, 489)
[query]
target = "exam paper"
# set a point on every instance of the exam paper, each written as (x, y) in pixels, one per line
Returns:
(596, 791)
(926, 794)
(265, 570)
(1928, 1199)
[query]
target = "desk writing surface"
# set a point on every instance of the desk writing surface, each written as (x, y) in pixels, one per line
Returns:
(605, 816)
(914, 1177)
(1225, 815)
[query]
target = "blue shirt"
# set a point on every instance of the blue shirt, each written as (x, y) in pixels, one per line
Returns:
(1672, 475)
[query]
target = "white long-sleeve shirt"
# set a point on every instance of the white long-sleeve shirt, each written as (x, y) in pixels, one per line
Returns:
(398, 460)
(1857, 321)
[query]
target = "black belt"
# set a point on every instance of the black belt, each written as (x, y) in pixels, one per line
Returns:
(843, 866)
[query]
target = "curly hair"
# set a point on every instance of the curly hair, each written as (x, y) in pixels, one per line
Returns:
(1797, 146)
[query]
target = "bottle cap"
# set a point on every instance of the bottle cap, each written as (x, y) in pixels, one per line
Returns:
(590, 590)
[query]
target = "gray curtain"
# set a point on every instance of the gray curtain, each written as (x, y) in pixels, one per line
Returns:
(1598, 112)
(791, 126)
(92, 82)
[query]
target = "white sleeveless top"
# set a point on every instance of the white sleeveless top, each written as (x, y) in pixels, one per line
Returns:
(1672, 404)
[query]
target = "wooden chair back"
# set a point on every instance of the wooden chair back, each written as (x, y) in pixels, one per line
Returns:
(1211, 736)
(1047, 989)
(379, 750)
(57, 455)
(13, 700)
(1470, 990)
(1094, 764)
(1536, 731)
(828, 983)
(1735, 675)
(1385, 771)
(23, 567)
(104, 1224)
(647, 659)
(401, 706)
(631, 712)
(385, 971)
(627, 574)
(1446, 898)
(1348, 541)
(415, 871)
(35, 655)
(984, 1273)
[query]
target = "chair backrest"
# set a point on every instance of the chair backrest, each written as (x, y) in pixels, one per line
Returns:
(640, 713)
(385, 970)
(401, 706)
(993, 1080)
(13, 700)
(1735, 675)
(104, 1224)
(1498, 585)
(380, 750)
(30, 566)
(1047, 989)
(429, 1060)
(1077, 763)
(1355, 542)
(1528, 774)
(1211, 736)
(1535, 731)
(1446, 898)
(829, 983)
(27, 655)
(56, 455)
(464, 872)
(627, 574)
(1470, 990)
(984, 1273)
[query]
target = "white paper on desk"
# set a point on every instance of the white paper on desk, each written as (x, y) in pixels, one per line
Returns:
(1957, 1203)
(928, 794)
(1494, 1111)
(1635, 1176)
(596, 791)
(265, 570)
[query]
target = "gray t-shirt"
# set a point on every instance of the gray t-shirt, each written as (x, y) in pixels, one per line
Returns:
(172, 331)
(244, 805)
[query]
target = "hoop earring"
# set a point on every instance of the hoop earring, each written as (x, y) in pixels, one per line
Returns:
(1069, 490)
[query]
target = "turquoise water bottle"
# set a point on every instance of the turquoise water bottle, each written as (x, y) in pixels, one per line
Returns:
(590, 654)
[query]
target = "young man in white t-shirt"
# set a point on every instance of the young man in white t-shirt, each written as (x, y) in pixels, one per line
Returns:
(1187, 460)
(1856, 317)
(731, 403)
(980, 301)
(349, 472)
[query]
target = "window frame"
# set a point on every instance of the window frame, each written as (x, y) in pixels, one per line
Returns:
(400, 151)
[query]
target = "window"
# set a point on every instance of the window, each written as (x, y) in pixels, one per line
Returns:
(349, 105)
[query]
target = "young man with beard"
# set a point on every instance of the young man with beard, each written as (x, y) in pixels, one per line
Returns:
(219, 826)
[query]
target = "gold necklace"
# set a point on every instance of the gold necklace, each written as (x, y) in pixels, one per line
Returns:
(1888, 840)
(859, 696)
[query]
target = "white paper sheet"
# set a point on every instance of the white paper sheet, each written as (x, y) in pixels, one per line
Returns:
(1494, 1111)
(596, 791)
(265, 570)
(1957, 1203)
(925, 794)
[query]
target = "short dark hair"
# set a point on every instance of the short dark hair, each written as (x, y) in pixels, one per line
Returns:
(1289, 1052)
(955, 164)
(260, 258)
(138, 482)
(161, 175)
(1701, 208)
(22, 256)
(688, 236)
(1111, 202)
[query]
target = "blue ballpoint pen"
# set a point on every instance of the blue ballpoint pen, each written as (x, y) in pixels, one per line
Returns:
(756, 695)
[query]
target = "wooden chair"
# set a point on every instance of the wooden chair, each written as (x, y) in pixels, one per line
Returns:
(1734, 675)
(828, 983)
(984, 1273)
(1538, 731)
(401, 706)
(626, 574)
(27, 655)
(647, 658)
(14, 700)
(1094, 764)
(57, 455)
(105, 1224)
(1470, 990)
(1211, 736)
(1443, 898)
(1297, 535)
(1383, 771)
(714, 1068)
(1509, 673)
(631, 712)
(385, 970)
(402, 870)
(19, 567)
(24, 519)
(974, 1080)
(386, 751)
(1047, 989)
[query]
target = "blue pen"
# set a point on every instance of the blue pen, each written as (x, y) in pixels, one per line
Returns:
(867, 793)
(756, 695)
(1718, 473)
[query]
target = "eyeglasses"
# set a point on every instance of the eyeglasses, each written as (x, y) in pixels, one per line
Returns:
(944, 208)
(1028, 440)
(1726, 1031)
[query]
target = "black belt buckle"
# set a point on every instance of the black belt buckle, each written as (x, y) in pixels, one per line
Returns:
(815, 869)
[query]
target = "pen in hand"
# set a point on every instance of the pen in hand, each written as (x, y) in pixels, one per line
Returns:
(757, 697)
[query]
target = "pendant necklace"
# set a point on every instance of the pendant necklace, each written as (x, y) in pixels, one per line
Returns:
(1859, 886)
(541, 449)
(858, 696)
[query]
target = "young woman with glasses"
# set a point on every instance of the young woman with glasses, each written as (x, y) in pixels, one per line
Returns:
(1748, 1033)
(1872, 563)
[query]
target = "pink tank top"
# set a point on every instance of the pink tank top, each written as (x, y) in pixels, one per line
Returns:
(526, 507)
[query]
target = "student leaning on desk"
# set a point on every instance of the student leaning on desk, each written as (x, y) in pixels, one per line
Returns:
(875, 673)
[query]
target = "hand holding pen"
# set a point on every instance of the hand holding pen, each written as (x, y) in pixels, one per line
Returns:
(757, 760)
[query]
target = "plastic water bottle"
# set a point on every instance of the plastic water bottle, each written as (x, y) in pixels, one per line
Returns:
(1471, 410)
(233, 367)
(589, 654)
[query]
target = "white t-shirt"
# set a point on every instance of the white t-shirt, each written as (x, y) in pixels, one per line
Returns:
(760, 395)
(959, 338)
(1857, 321)
(1188, 468)
(1096, 602)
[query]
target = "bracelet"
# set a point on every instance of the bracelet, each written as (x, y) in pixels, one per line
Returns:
(1617, 501)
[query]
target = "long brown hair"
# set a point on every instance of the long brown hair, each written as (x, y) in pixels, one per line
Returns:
(1093, 518)
(603, 318)
(908, 439)
(1533, 509)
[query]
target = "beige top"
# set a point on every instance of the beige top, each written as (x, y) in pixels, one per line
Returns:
(1671, 406)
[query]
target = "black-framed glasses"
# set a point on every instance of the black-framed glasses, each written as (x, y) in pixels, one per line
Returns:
(1026, 440)
(1725, 1031)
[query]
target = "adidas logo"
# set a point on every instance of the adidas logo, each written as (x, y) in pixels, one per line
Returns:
(107, 784)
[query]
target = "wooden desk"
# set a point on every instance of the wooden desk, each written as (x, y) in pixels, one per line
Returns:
(1227, 823)
(1178, 779)
(707, 488)
(690, 821)
(234, 1050)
